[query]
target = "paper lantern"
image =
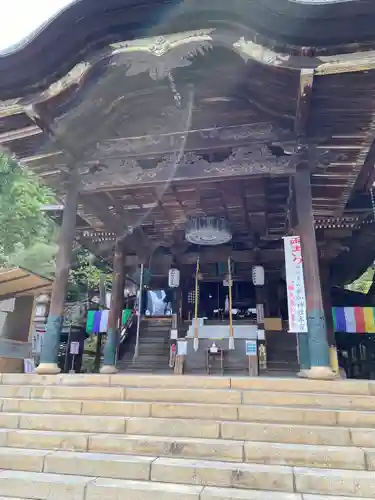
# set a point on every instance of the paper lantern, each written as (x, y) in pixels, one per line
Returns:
(258, 275)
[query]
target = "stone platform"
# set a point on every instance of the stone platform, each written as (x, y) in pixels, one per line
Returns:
(147, 437)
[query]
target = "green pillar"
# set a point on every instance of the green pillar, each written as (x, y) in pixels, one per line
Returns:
(303, 351)
(316, 322)
(117, 299)
(51, 338)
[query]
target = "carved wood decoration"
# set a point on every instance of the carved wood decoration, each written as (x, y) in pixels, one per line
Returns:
(252, 160)
(197, 140)
(161, 55)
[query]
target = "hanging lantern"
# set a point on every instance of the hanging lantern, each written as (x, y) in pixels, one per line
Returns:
(258, 275)
(207, 231)
(173, 278)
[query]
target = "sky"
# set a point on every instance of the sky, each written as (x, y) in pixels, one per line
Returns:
(23, 17)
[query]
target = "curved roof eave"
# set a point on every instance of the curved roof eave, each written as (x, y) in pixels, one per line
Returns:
(83, 26)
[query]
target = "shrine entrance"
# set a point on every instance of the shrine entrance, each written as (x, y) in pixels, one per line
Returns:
(146, 153)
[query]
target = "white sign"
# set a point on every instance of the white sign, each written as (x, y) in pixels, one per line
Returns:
(7, 305)
(74, 348)
(29, 365)
(37, 342)
(258, 275)
(251, 347)
(182, 347)
(295, 284)
(174, 334)
(260, 313)
(173, 278)
(261, 335)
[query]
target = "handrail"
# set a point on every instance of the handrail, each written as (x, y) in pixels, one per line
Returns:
(140, 305)
(196, 299)
(231, 338)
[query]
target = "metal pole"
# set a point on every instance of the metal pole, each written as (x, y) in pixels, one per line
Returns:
(67, 350)
(140, 305)
(231, 337)
(102, 306)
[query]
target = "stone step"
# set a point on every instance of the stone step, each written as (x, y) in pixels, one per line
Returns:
(252, 431)
(133, 490)
(348, 387)
(335, 482)
(100, 489)
(207, 449)
(249, 413)
(223, 474)
(75, 423)
(337, 401)
(186, 396)
(262, 452)
(59, 480)
(272, 384)
(198, 428)
(44, 486)
(238, 494)
(265, 477)
(290, 434)
(332, 457)
(236, 451)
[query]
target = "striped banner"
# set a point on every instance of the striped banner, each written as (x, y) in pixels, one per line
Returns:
(354, 319)
(97, 321)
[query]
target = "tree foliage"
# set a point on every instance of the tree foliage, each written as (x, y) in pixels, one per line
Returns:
(22, 223)
(85, 274)
(28, 236)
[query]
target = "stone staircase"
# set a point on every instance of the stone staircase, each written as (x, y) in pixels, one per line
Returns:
(153, 348)
(149, 437)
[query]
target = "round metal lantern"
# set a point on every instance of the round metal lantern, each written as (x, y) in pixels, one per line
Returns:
(207, 231)
(258, 275)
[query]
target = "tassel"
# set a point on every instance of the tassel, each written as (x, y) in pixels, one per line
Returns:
(196, 343)
(231, 343)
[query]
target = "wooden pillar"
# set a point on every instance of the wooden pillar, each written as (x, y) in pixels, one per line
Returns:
(325, 274)
(316, 323)
(51, 338)
(117, 298)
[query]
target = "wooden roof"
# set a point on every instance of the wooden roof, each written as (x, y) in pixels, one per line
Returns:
(203, 123)
(17, 281)
(86, 26)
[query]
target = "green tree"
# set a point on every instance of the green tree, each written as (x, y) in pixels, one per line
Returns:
(28, 235)
(85, 274)
(22, 222)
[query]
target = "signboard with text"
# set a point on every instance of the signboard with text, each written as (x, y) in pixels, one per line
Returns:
(295, 284)
(251, 347)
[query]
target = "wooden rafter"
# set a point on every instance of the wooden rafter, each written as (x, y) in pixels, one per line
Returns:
(303, 101)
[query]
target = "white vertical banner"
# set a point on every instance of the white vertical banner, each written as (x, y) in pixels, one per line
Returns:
(295, 284)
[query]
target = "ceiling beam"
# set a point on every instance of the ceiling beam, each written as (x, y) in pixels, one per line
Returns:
(357, 167)
(117, 225)
(306, 82)
(346, 63)
(212, 255)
